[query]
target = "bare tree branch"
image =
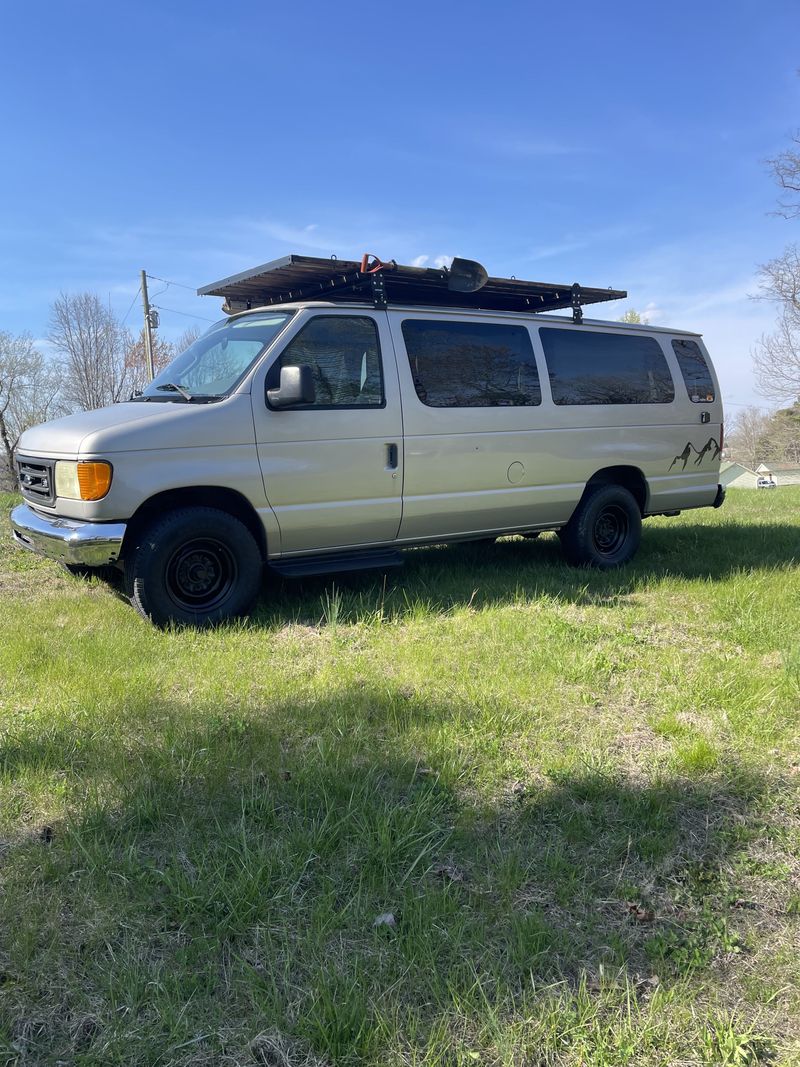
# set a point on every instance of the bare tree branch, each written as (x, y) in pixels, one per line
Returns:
(777, 358)
(92, 344)
(786, 169)
(745, 434)
(187, 338)
(30, 390)
(136, 360)
(780, 278)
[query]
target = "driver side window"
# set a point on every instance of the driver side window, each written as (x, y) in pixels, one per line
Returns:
(344, 355)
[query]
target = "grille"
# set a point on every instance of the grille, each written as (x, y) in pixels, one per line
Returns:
(37, 479)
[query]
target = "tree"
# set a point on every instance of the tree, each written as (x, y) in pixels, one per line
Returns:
(163, 354)
(786, 168)
(746, 435)
(632, 315)
(780, 442)
(136, 360)
(30, 389)
(187, 338)
(777, 355)
(93, 345)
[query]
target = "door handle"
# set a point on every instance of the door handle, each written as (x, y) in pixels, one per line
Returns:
(391, 457)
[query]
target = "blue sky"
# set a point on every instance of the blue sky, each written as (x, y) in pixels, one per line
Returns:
(616, 144)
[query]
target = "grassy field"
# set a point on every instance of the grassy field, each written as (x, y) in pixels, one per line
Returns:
(572, 798)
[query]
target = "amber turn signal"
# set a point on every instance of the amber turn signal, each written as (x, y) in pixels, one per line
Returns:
(94, 479)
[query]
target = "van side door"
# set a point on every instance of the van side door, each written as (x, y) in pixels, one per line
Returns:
(332, 469)
(472, 406)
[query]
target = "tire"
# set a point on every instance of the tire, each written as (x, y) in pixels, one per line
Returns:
(195, 566)
(531, 535)
(604, 531)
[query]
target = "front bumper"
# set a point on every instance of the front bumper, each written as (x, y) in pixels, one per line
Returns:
(93, 544)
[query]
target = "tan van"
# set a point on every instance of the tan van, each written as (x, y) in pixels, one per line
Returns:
(342, 411)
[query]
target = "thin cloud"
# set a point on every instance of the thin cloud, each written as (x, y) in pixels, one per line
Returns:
(606, 235)
(436, 261)
(550, 251)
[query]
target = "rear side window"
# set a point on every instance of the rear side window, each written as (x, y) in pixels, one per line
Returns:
(345, 361)
(605, 368)
(699, 383)
(471, 364)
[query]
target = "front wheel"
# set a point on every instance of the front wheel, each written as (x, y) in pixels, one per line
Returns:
(605, 530)
(196, 566)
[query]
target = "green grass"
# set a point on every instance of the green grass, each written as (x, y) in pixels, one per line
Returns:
(576, 793)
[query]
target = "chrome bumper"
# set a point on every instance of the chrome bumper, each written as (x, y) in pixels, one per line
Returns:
(67, 540)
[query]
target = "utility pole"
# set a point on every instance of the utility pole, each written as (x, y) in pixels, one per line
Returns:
(148, 334)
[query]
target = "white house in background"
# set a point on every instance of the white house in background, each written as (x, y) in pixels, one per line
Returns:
(781, 473)
(737, 476)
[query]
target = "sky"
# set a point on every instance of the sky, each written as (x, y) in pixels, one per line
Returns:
(617, 145)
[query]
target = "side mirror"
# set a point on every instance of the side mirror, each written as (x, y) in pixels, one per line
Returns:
(297, 387)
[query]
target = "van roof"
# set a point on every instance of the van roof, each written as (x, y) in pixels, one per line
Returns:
(464, 284)
(635, 327)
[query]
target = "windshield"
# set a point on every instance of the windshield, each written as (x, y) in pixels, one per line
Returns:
(216, 362)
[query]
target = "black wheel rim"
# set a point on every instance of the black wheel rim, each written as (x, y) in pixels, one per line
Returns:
(611, 529)
(201, 574)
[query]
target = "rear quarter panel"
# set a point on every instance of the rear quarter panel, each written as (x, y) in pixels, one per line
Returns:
(457, 460)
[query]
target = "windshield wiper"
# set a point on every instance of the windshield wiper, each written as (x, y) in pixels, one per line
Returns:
(171, 387)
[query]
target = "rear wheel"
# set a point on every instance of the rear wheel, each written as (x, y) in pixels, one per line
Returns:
(605, 530)
(197, 566)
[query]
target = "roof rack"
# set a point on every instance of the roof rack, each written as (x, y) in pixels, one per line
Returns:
(465, 284)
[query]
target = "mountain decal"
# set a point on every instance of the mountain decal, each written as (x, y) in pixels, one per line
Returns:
(701, 455)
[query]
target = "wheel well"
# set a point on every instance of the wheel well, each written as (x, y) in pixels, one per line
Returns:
(631, 478)
(207, 496)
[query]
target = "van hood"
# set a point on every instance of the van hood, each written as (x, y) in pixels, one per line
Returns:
(138, 425)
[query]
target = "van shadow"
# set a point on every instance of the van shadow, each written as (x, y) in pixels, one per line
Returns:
(221, 877)
(447, 576)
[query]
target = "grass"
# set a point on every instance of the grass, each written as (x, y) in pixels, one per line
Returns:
(576, 794)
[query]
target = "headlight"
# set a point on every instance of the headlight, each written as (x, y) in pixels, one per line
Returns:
(84, 480)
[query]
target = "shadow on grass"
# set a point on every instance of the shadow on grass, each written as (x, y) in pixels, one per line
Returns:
(478, 573)
(221, 880)
(448, 576)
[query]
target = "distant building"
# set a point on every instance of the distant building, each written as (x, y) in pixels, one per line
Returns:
(780, 473)
(737, 476)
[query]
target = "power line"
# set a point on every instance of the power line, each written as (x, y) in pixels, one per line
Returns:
(186, 314)
(155, 278)
(131, 307)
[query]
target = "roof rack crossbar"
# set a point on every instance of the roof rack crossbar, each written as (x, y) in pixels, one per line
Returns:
(297, 278)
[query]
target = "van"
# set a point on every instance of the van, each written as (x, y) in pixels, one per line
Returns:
(343, 411)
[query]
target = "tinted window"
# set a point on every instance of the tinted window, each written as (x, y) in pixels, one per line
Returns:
(471, 365)
(694, 369)
(606, 368)
(344, 356)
